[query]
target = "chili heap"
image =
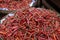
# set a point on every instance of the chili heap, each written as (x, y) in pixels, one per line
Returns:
(14, 4)
(31, 24)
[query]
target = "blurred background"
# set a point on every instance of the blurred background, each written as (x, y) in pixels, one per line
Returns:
(49, 4)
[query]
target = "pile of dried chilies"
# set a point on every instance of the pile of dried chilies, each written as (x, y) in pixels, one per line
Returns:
(31, 24)
(14, 4)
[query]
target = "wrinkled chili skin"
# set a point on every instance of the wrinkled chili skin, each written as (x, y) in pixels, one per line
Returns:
(31, 24)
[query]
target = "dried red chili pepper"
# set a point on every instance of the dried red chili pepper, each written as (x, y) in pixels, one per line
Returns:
(31, 24)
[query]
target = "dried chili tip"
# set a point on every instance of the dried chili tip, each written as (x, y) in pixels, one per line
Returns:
(17, 38)
(54, 36)
(3, 32)
(32, 38)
